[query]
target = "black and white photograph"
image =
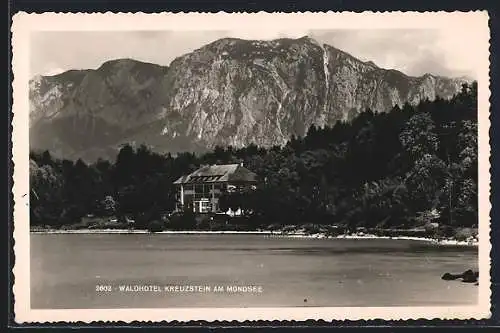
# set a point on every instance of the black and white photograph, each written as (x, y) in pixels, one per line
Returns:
(317, 164)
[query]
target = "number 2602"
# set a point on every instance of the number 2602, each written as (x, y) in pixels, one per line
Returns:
(101, 287)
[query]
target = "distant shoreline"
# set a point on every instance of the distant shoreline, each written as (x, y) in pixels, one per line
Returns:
(444, 242)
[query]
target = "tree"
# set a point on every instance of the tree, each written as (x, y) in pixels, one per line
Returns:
(380, 204)
(124, 167)
(459, 200)
(467, 147)
(418, 137)
(45, 195)
(108, 206)
(425, 182)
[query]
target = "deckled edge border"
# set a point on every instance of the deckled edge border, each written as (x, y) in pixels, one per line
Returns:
(198, 323)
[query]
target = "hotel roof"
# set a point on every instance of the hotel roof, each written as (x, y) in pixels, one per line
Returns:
(219, 174)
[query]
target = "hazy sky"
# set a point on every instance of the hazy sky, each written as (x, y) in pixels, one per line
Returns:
(414, 52)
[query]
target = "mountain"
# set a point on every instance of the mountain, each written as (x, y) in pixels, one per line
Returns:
(229, 92)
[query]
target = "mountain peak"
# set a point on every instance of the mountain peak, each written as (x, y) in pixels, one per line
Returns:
(118, 62)
(308, 39)
(231, 41)
(131, 65)
(36, 78)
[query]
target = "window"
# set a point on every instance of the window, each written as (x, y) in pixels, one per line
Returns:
(216, 188)
(205, 206)
(188, 199)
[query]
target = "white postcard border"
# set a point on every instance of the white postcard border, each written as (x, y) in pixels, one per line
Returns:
(475, 24)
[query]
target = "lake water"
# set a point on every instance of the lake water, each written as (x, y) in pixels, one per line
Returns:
(66, 269)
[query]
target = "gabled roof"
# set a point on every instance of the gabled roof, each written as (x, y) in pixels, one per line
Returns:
(219, 173)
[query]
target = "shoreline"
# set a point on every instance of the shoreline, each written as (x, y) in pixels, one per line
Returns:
(298, 235)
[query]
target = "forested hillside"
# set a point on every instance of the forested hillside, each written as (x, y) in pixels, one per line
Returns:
(401, 168)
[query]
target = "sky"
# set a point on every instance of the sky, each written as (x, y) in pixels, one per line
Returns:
(413, 51)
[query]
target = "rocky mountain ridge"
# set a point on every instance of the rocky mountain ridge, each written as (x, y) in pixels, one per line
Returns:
(229, 92)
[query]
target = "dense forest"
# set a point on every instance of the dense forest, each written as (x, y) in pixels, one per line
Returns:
(404, 167)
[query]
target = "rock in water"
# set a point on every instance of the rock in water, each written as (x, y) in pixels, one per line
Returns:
(448, 277)
(469, 276)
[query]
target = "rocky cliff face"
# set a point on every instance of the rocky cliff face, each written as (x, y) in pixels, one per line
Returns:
(229, 92)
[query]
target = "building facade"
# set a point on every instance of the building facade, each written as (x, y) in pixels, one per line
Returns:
(200, 191)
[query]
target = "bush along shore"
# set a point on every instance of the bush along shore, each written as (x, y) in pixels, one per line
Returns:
(223, 224)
